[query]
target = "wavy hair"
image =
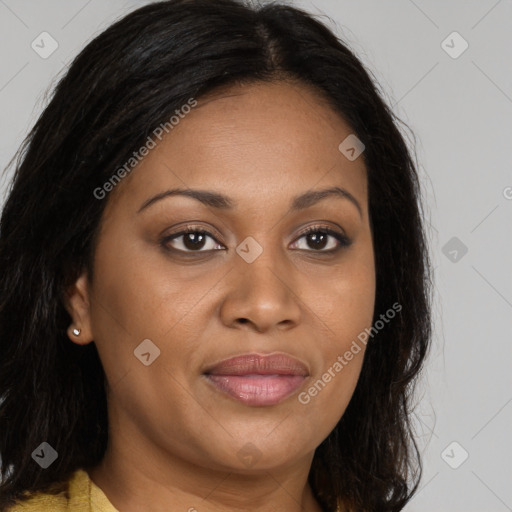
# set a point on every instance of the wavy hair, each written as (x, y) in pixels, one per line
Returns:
(123, 84)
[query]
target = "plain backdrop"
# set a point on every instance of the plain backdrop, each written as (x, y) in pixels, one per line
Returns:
(446, 69)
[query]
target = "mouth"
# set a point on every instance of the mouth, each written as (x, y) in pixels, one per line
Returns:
(258, 380)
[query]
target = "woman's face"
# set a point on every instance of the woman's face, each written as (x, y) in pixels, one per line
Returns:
(255, 284)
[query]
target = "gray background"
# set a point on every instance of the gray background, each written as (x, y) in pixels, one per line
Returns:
(461, 112)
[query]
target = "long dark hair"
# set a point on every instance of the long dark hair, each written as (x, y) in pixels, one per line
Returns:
(127, 81)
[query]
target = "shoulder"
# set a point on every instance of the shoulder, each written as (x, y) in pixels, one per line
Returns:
(40, 502)
(74, 496)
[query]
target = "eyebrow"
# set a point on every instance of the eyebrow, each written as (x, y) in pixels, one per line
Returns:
(222, 202)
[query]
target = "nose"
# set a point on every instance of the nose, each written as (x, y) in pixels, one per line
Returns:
(261, 296)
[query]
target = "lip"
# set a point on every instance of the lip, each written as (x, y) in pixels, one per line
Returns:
(259, 364)
(257, 379)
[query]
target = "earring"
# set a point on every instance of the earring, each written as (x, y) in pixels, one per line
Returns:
(76, 331)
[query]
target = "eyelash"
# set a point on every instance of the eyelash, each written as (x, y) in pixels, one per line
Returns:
(343, 241)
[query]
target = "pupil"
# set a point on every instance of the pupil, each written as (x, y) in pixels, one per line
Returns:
(315, 238)
(194, 241)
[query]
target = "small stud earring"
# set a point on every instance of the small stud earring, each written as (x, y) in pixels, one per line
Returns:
(76, 332)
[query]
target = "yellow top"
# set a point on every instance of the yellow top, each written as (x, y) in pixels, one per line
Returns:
(84, 496)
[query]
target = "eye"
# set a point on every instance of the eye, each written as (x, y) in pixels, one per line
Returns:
(317, 237)
(193, 240)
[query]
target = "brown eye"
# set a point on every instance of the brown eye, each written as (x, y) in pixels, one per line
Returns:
(191, 241)
(318, 238)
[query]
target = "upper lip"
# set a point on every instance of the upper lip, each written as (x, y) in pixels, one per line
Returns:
(258, 364)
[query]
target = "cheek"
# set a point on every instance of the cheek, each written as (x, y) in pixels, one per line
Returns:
(346, 313)
(342, 298)
(343, 307)
(134, 286)
(137, 299)
(139, 295)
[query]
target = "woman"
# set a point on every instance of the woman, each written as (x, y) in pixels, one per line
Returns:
(215, 290)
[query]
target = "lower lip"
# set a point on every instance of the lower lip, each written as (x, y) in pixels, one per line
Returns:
(257, 389)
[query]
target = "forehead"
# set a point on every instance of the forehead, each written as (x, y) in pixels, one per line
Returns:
(256, 143)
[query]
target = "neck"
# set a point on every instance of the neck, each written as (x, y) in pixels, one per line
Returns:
(135, 480)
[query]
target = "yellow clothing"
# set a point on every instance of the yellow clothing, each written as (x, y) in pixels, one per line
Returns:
(84, 496)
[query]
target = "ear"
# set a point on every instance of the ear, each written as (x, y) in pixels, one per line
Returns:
(78, 306)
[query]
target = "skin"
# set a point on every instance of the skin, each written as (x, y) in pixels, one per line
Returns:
(174, 439)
